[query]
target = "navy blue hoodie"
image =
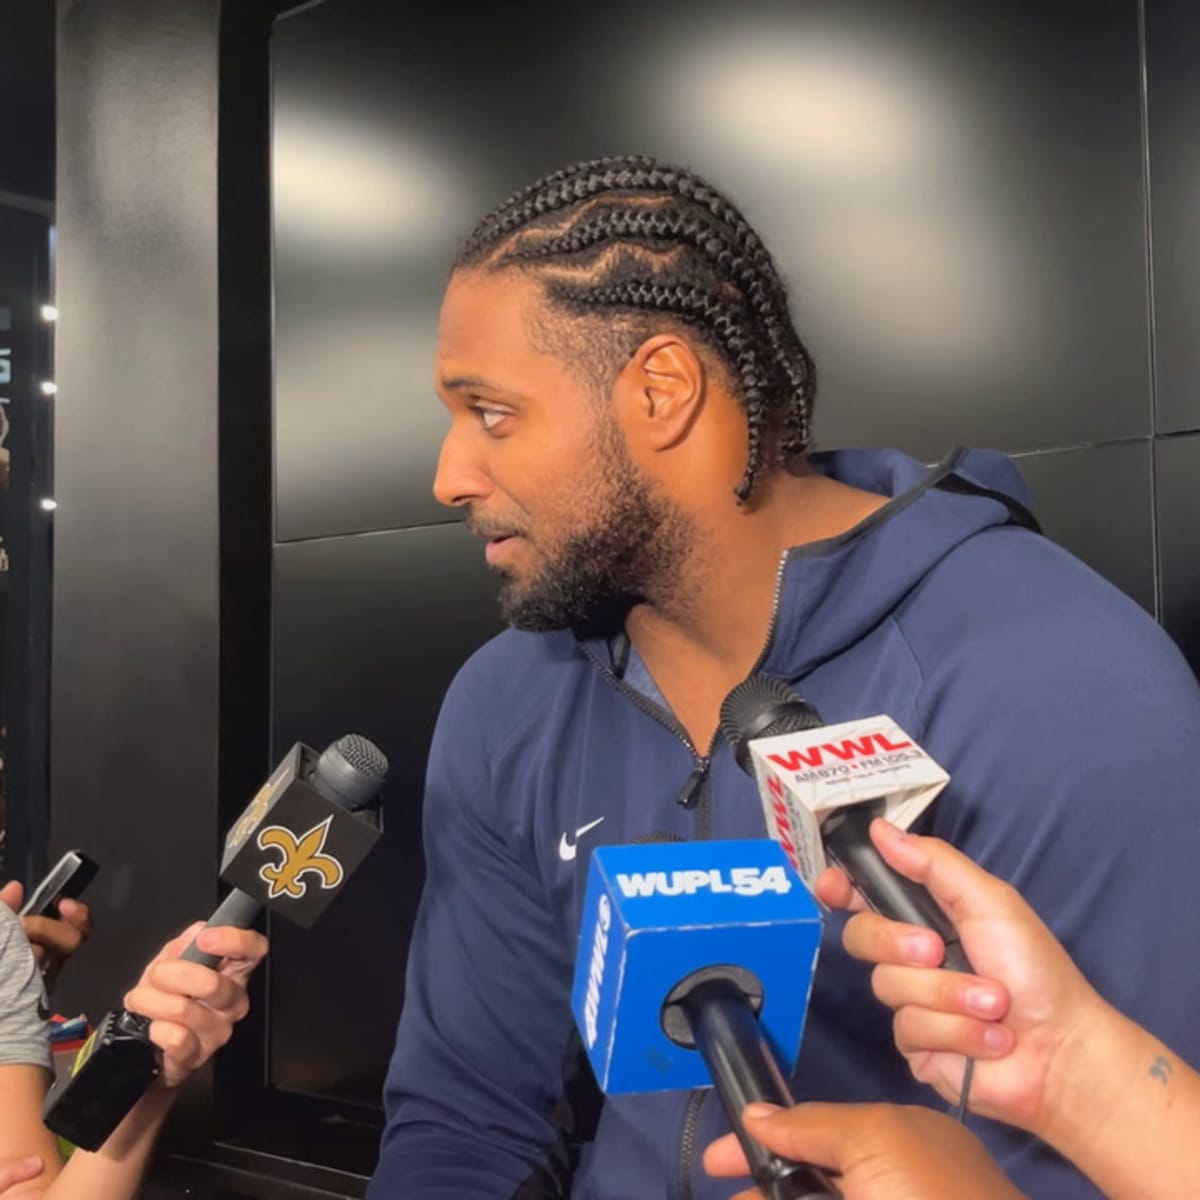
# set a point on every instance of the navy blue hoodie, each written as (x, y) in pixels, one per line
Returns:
(1069, 724)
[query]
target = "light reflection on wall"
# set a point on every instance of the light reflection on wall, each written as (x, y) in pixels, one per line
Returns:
(366, 218)
(889, 226)
(344, 181)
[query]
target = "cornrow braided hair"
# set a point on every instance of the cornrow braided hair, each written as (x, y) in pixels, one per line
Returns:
(639, 241)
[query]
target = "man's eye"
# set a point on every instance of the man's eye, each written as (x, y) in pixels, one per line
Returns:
(490, 417)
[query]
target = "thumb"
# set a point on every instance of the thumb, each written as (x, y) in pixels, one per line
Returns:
(12, 893)
(962, 889)
(18, 1170)
(725, 1156)
(821, 1134)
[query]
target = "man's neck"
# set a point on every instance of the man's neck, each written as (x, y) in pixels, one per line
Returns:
(704, 640)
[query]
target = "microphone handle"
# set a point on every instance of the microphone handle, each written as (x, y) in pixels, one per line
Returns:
(238, 909)
(847, 840)
(743, 1068)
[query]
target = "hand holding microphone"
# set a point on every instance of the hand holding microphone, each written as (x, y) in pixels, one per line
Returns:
(190, 1011)
(298, 841)
(764, 708)
(1054, 1057)
(1025, 1016)
(191, 1008)
(880, 1151)
(695, 964)
(800, 785)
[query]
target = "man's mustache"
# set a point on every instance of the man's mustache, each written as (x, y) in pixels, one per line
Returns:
(490, 530)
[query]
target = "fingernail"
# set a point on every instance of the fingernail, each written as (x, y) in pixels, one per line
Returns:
(997, 1038)
(982, 1001)
(759, 1110)
(920, 948)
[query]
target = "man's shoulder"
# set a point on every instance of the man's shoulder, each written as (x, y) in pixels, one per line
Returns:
(1014, 600)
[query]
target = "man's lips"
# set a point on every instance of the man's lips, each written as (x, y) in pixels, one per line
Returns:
(499, 547)
(501, 540)
(492, 533)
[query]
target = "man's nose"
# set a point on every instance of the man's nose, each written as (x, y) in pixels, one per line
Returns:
(460, 477)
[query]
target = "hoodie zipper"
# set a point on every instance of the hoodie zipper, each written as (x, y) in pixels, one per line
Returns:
(690, 793)
(693, 791)
(696, 794)
(687, 1141)
(697, 791)
(773, 623)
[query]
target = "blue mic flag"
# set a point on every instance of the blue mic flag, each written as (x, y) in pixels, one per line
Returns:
(653, 915)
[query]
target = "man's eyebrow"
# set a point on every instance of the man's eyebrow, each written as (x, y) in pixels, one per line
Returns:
(465, 381)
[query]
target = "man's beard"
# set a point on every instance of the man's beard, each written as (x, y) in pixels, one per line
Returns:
(629, 552)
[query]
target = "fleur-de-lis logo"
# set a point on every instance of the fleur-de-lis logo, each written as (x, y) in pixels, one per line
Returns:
(301, 856)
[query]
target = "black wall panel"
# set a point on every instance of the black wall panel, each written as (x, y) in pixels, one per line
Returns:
(368, 633)
(1178, 470)
(27, 98)
(953, 190)
(1173, 49)
(1098, 502)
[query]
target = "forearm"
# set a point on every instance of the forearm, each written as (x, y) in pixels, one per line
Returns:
(115, 1170)
(1128, 1113)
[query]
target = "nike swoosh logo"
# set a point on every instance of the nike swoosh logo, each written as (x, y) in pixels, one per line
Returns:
(566, 849)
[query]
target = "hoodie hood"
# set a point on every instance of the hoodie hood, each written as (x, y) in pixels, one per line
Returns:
(833, 592)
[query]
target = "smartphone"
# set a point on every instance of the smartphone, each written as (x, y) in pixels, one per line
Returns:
(66, 880)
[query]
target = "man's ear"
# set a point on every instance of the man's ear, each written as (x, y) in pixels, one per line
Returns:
(660, 392)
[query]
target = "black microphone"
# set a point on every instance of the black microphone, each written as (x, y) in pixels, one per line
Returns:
(291, 851)
(763, 707)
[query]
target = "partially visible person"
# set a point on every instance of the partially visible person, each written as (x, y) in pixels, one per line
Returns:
(192, 1009)
(878, 1151)
(1052, 1056)
(53, 939)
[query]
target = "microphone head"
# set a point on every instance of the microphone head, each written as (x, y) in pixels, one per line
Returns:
(763, 706)
(308, 828)
(350, 772)
(660, 917)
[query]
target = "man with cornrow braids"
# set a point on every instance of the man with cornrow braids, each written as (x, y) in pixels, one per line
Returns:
(630, 411)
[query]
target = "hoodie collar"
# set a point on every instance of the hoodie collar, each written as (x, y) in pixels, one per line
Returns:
(830, 593)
